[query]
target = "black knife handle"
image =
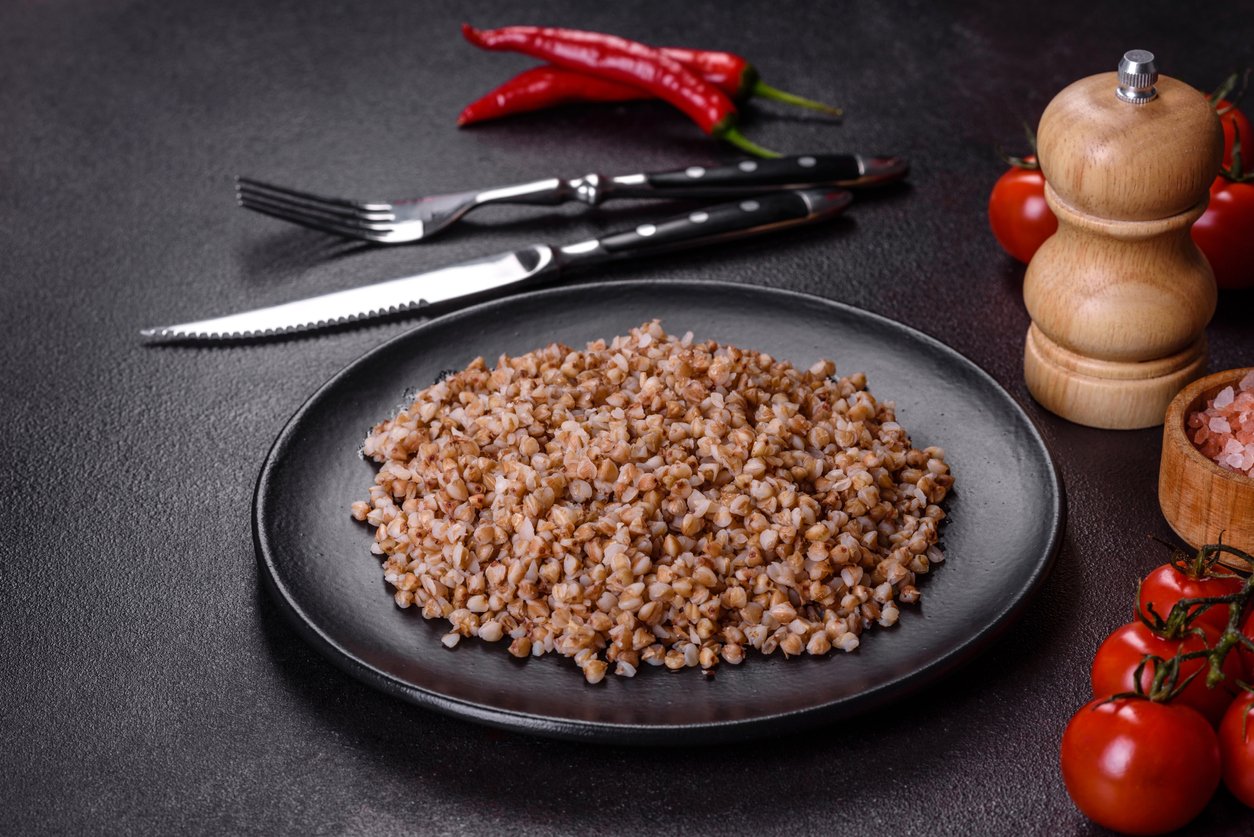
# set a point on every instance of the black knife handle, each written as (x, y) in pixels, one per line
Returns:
(745, 217)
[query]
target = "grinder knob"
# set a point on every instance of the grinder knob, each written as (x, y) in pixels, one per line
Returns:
(1137, 75)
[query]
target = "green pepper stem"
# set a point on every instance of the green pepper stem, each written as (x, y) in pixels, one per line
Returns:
(761, 88)
(744, 143)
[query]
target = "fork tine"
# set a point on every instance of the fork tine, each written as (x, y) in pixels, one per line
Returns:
(297, 199)
(346, 217)
(296, 202)
(378, 234)
(283, 191)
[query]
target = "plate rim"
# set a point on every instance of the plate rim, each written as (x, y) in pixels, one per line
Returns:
(654, 734)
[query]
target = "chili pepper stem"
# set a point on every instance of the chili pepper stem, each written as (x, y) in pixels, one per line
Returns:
(766, 91)
(744, 143)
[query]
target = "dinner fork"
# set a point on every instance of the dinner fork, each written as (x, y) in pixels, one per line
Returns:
(414, 219)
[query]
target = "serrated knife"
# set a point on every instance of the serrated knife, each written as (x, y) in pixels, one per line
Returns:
(518, 269)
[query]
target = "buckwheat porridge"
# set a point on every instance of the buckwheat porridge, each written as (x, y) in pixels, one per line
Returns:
(653, 500)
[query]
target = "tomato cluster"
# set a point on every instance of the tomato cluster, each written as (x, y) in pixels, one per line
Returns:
(1146, 755)
(1022, 220)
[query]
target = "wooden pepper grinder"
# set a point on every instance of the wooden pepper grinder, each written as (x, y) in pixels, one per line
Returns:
(1120, 296)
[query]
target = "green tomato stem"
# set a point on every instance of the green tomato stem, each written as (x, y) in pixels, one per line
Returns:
(1185, 611)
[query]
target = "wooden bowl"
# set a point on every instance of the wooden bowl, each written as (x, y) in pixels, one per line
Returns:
(1201, 500)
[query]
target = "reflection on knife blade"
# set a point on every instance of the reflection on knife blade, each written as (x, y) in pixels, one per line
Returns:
(463, 280)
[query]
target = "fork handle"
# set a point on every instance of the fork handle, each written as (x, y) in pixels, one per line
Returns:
(756, 176)
(548, 192)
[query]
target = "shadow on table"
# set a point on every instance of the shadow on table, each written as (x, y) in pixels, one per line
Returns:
(282, 255)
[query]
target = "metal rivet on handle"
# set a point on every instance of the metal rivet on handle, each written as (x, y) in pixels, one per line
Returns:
(748, 165)
(646, 229)
(699, 217)
(694, 171)
(807, 162)
(749, 206)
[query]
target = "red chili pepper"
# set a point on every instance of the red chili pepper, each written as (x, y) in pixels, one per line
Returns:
(629, 62)
(547, 86)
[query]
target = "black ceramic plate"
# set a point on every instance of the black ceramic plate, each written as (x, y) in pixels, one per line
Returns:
(1006, 517)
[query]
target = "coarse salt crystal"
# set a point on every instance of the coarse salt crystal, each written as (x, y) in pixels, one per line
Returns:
(1224, 430)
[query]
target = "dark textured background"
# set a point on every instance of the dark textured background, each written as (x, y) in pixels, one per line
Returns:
(147, 683)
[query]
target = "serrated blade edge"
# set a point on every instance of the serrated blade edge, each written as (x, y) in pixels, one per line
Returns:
(468, 279)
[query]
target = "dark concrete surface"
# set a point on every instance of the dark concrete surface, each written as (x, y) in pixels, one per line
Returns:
(148, 685)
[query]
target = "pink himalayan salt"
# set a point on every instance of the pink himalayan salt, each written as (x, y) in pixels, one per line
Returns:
(1224, 431)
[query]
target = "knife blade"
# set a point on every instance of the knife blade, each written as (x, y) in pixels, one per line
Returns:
(517, 269)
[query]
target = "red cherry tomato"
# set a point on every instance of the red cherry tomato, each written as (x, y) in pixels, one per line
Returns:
(1166, 585)
(1232, 121)
(1018, 214)
(1139, 767)
(1224, 232)
(1236, 748)
(1116, 661)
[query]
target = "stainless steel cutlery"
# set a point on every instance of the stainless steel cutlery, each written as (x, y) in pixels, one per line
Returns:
(520, 268)
(768, 195)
